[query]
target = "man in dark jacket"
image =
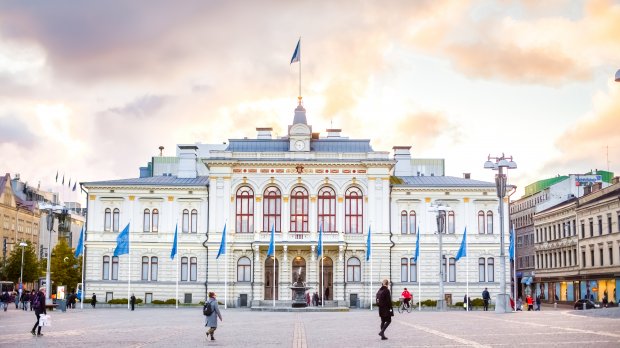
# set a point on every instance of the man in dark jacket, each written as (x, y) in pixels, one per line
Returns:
(486, 297)
(39, 309)
(384, 301)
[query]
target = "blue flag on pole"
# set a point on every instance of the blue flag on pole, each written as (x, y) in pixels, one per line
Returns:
(80, 246)
(56, 176)
(511, 248)
(297, 53)
(222, 250)
(417, 247)
(173, 252)
(319, 248)
(463, 249)
(272, 245)
(69, 183)
(122, 242)
(368, 251)
(63, 179)
(74, 186)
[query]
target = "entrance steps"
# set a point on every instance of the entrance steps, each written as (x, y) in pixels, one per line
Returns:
(287, 306)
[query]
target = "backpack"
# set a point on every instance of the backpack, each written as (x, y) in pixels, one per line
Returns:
(36, 303)
(207, 309)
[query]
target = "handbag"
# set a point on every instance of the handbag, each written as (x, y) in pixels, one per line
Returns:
(45, 320)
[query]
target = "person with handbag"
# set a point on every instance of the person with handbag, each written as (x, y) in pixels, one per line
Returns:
(211, 312)
(39, 308)
(386, 312)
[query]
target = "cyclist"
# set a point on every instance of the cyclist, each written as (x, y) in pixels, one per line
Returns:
(406, 295)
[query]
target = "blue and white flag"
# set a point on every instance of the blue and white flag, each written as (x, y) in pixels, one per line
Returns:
(417, 247)
(297, 54)
(319, 248)
(511, 248)
(74, 186)
(222, 250)
(173, 252)
(122, 242)
(272, 245)
(463, 249)
(80, 247)
(368, 251)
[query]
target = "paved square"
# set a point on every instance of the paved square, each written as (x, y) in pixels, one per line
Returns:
(167, 327)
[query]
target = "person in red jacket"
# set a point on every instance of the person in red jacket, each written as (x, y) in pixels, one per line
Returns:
(530, 303)
(406, 295)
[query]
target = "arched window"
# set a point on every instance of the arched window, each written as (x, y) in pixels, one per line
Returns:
(481, 270)
(194, 221)
(145, 268)
(244, 267)
(353, 210)
(327, 209)
(354, 270)
(299, 210)
(481, 222)
(403, 222)
(107, 219)
(489, 222)
(154, 268)
(147, 220)
(451, 222)
(413, 271)
(105, 274)
(184, 269)
(185, 223)
(452, 269)
(193, 269)
(245, 210)
(412, 222)
(115, 220)
(490, 269)
(444, 269)
(114, 267)
(272, 209)
(155, 220)
(404, 270)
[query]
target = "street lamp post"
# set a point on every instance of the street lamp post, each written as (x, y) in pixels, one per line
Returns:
(21, 272)
(441, 223)
(51, 209)
(500, 163)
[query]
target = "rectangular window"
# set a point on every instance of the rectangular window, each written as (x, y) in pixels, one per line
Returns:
(184, 269)
(106, 268)
(592, 258)
(583, 259)
(591, 228)
(583, 229)
(145, 268)
(600, 226)
(404, 270)
(491, 269)
(114, 267)
(413, 271)
(609, 224)
(611, 256)
(193, 269)
(452, 270)
(154, 268)
(600, 256)
(481, 270)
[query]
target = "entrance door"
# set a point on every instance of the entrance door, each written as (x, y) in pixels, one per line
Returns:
(326, 279)
(271, 282)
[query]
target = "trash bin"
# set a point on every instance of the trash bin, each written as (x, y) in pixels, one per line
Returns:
(62, 304)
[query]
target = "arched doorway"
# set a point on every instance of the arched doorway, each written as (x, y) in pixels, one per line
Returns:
(326, 278)
(298, 271)
(271, 282)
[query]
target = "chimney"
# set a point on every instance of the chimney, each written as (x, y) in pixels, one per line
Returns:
(402, 155)
(615, 180)
(264, 133)
(597, 186)
(161, 151)
(467, 175)
(587, 190)
(333, 133)
(187, 161)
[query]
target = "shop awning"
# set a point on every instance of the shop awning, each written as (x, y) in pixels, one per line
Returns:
(526, 280)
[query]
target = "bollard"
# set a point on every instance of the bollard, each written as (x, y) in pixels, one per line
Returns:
(555, 305)
(584, 306)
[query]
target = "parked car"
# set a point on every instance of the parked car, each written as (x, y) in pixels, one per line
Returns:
(589, 304)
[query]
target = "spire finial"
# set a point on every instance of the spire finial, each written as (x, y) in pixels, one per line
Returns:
(299, 99)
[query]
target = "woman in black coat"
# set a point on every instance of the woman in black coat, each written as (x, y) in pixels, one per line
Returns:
(386, 312)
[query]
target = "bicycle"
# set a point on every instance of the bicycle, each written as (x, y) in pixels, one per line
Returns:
(403, 307)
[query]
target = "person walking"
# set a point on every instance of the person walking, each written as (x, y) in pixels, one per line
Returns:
(315, 299)
(132, 301)
(4, 300)
(530, 303)
(25, 299)
(386, 312)
(32, 294)
(39, 308)
(213, 309)
(465, 302)
(308, 299)
(485, 298)
(537, 302)
(93, 300)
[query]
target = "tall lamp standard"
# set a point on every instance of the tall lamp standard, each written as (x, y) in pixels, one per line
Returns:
(441, 223)
(21, 272)
(51, 209)
(500, 163)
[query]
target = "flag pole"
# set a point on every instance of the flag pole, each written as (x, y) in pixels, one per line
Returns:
(225, 273)
(129, 268)
(300, 69)
(514, 265)
(417, 268)
(467, 271)
(370, 257)
(176, 246)
(83, 257)
(274, 274)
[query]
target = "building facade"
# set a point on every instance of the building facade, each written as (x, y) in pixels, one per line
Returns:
(298, 186)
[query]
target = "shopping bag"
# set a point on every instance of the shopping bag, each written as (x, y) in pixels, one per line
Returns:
(45, 320)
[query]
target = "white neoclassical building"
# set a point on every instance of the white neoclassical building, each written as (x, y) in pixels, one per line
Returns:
(294, 184)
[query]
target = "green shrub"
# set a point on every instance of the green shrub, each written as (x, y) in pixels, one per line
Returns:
(118, 301)
(171, 301)
(158, 302)
(477, 302)
(459, 304)
(429, 303)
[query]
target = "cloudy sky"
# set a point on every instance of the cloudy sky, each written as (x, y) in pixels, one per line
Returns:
(93, 88)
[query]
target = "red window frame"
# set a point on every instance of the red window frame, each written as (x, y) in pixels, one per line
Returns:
(353, 210)
(327, 209)
(272, 209)
(245, 210)
(299, 210)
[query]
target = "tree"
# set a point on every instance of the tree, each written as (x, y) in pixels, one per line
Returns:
(31, 265)
(65, 268)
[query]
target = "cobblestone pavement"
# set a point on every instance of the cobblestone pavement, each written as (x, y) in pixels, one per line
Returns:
(167, 327)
